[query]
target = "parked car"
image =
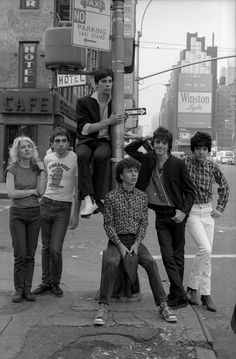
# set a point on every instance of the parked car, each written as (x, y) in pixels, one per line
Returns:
(232, 161)
(213, 156)
(178, 154)
(224, 157)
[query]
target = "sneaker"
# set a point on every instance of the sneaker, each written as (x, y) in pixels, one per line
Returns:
(167, 314)
(178, 302)
(102, 315)
(57, 291)
(42, 289)
(90, 207)
(17, 297)
(29, 297)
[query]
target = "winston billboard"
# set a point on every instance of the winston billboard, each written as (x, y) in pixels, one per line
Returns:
(194, 100)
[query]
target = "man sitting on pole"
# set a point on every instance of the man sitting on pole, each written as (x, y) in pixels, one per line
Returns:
(94, 142)
(125, 223)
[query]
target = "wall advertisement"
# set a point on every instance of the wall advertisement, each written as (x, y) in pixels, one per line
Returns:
(194, 100)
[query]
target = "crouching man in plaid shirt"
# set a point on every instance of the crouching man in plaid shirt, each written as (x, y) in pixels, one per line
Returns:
(201, 222)
(125, 223)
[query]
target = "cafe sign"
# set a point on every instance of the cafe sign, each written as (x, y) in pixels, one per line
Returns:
(26, 103)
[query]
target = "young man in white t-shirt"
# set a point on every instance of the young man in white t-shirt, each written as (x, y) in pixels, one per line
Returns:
(55, 208)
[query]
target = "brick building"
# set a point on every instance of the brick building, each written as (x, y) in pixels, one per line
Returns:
(29, 102)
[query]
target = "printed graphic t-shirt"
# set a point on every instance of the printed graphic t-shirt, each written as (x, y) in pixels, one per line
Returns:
(61, 176)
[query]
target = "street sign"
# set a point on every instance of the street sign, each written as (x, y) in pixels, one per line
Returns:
(135, 111)
(91, 24)
(68, 80)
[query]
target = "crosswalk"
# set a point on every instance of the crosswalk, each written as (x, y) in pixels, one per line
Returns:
(3, 208)
(191, 256)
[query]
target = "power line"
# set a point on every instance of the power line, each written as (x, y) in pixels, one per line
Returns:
(176, 44)
(221, 49)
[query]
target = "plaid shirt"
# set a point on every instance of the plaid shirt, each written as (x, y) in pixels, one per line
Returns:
(125, 213)
(203, 176)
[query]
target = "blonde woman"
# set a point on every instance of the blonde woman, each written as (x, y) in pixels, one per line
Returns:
(25, 181)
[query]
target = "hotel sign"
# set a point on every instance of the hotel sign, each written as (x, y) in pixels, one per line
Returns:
(28, 65)
(70, 80)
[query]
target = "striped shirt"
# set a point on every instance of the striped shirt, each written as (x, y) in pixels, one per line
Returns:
(203, 176)
(125, 212)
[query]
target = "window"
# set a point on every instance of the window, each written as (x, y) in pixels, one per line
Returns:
(63, 9)
(29, 4)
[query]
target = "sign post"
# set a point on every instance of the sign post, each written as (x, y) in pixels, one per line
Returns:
(91, 24)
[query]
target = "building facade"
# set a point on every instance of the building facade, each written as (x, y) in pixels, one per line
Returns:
(35, 98)
(189, 104)
(30, 102)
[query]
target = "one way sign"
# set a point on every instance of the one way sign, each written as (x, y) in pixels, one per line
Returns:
(135, 111)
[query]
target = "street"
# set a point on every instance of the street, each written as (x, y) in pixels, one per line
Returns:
(82, 245)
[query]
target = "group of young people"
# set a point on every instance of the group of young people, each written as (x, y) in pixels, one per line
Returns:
(180, 192)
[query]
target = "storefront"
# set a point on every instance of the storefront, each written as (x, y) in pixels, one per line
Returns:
(33, 114)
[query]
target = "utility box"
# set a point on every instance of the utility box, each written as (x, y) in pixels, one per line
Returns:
(59, 52)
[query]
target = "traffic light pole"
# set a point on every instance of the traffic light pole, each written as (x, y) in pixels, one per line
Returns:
(117, 131)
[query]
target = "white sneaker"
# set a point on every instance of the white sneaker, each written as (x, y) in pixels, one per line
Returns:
(89, 208)
(166, 313)
(102, 315)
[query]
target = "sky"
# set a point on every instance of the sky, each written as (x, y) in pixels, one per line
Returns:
(164, 28)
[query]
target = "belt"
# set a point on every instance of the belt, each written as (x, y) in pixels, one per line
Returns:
(163, 211)
(164, 208)
(53, 201)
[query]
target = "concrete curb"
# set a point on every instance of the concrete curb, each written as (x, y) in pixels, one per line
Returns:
(53, 325)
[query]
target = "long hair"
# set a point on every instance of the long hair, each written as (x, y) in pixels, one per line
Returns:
(163, 133)
(14, 150)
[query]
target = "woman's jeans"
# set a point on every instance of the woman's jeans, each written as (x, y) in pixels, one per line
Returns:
(24, 228)
(200, 225)
(55, 219)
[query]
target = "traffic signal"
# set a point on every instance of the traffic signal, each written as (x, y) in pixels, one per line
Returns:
(105, 58)
(59, 51)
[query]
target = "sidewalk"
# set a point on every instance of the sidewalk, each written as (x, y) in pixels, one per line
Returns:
(62, 328)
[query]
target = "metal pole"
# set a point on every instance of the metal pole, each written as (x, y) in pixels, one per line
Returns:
(117, 132)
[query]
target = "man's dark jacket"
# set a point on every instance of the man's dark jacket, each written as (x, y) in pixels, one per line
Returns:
(178, 184)
(87, 110)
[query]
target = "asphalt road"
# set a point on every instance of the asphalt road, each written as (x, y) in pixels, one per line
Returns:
(83, 245)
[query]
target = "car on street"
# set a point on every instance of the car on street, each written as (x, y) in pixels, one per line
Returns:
(213, 156)
(224, 157)
(178, 154)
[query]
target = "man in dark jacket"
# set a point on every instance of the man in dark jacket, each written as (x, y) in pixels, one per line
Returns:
(94, 146)
(171, 195)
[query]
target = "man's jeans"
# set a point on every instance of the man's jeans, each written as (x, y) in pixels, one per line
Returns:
(55, 219)
(24, 229)
(201, 225)
(144, 259)
(171, 238)
(97, 181)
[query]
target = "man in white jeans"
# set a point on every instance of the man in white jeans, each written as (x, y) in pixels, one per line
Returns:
(201, 222)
